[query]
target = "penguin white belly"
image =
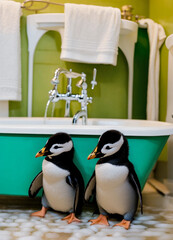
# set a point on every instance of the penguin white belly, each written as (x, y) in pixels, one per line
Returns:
(113, 190)
(59, 194)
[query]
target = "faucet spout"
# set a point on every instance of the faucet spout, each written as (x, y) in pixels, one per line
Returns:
(78, 115)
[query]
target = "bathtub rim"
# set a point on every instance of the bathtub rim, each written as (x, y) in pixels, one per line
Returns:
(22, 126)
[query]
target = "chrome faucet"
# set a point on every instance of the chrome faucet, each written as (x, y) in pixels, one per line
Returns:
(55, 96)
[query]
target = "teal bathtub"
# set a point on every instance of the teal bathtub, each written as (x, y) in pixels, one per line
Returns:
(22, 138)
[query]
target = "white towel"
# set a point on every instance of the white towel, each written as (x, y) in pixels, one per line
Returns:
(169, 45)
(10, 51)
(91, 34)
(156, 36)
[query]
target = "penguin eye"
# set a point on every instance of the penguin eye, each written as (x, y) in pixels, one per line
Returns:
(56, 147)
(108, 147)
(59, 148)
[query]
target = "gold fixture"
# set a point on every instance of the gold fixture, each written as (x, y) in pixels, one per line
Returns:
(126, 12)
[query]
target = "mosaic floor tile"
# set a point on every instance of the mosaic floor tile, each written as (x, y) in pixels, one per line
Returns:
(17, 224)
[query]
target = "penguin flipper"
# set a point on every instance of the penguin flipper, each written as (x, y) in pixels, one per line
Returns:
(136, 183)
(90, 188)
(36, 185)
(138, 188)
(78, 185)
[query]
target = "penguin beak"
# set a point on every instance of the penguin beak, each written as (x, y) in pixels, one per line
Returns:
(94, 154)
(40, 153)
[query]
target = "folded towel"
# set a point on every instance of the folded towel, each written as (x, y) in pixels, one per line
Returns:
(91, 34)
(10, 51)
(156, 36)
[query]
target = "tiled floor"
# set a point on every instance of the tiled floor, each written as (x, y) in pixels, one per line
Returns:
(16, 224)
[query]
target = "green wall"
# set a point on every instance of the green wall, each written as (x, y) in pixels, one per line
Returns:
(111, 91)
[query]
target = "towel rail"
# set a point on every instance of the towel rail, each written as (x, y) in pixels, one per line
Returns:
(29, 4)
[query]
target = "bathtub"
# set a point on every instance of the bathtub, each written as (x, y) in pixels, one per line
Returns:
(22, 138)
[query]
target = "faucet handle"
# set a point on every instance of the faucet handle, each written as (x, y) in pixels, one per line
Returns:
(55, 81)
(73, 74)
(93, 82)
(81, 81)
(79, 84)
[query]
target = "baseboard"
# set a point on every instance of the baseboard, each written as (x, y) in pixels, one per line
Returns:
(11, 201)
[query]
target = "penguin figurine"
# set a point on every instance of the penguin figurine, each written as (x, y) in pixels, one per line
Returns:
(63, 185)
(114, 180)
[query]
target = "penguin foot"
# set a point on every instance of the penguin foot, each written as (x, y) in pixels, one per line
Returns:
(71, 218)
(125, 224)
(102, 220)
(40, 213)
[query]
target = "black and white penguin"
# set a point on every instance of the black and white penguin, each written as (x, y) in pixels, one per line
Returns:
(63, 185)
(114, 180)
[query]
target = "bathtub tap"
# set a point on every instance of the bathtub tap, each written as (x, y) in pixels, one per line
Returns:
(55, 96)
(78, 115)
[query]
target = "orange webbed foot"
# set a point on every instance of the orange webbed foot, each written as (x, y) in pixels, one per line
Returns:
(71, 218)
(125, 224)
(102, 220)
(40, 213)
